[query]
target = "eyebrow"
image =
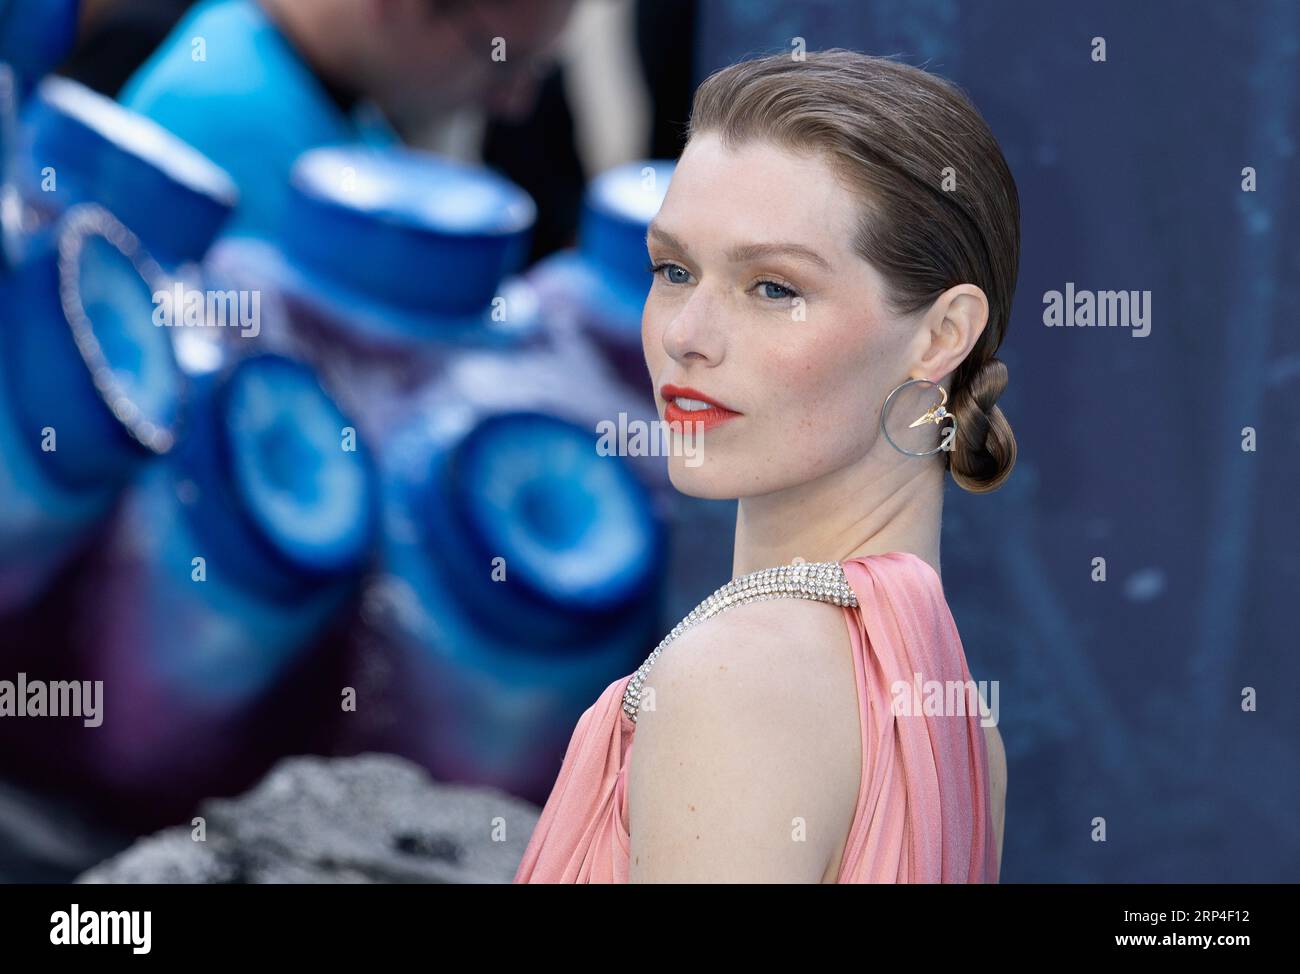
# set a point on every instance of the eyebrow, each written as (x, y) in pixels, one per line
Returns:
(746, 252)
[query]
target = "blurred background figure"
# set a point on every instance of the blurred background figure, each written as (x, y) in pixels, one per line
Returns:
(255, 83)
(115, 38)
(617, 87)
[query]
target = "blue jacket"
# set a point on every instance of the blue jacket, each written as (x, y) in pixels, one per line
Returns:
(227, 81)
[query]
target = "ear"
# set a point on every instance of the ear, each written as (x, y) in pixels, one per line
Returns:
(950, 330)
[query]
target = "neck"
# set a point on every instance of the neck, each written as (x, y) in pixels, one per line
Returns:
(845, 514)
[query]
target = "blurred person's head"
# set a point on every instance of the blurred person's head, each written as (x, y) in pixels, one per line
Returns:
(421, 59)
(834, 227)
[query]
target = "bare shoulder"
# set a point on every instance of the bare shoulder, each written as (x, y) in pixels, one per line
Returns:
(744, 764)
(768, 654)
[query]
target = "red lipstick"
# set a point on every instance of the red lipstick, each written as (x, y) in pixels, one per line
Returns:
(715, 414)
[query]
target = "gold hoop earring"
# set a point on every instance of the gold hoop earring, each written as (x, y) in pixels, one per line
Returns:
(936, 414)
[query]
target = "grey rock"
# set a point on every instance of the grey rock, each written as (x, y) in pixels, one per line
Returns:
(170, 856)
(374, 818)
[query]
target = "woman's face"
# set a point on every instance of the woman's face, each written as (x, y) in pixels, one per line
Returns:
(761, 305)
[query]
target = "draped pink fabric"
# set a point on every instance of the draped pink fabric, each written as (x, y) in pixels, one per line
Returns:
(923, 813)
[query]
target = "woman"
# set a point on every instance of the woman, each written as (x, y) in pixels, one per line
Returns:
(834, 264)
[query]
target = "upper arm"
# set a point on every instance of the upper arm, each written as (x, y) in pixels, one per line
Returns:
(997, 783)
(734, 773)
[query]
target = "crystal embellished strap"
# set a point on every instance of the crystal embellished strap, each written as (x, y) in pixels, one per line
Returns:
(822, 581)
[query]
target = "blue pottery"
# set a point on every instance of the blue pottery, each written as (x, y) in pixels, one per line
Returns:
(520, 574)
(79, 146)
(226, 563)
(35, 35)
(388, 263)
(89, 392)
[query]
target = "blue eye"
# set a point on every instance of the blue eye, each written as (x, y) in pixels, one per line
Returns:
(656, 268)
(677, 274)
(787, 293)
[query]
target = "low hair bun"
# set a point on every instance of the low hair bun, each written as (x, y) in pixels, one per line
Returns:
(984, 451)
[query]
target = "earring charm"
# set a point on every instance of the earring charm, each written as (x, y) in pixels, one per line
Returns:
(936, 414)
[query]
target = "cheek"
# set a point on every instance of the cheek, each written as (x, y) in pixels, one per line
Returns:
(818, 382)
(819, 404)
(651, 340)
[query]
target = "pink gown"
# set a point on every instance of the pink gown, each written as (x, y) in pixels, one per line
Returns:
(923, 812)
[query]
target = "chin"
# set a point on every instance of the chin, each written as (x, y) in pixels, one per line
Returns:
(700, 481)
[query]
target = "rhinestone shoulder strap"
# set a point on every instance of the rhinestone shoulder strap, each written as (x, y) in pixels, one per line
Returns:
(822, 581)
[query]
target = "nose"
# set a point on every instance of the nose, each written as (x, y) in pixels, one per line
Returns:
(693, 334)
